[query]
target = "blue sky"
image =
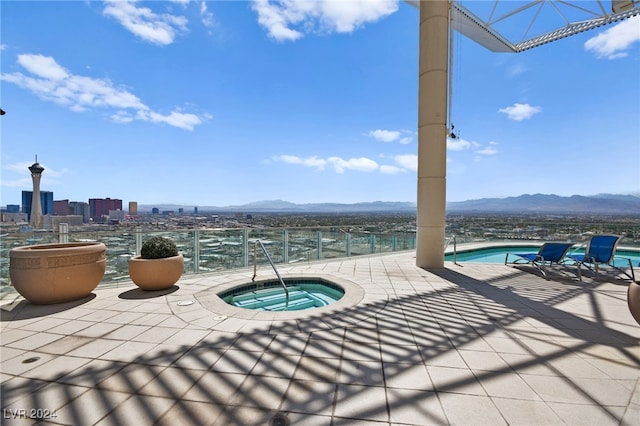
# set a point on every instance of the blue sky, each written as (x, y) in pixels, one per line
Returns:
(224, 103)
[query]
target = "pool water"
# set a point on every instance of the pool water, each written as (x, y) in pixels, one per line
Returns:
(498, 254)
(270, 296)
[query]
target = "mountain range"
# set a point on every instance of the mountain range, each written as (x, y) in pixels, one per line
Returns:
(529, 203)
(549, 203)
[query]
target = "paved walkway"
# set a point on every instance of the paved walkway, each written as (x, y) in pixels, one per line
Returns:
(477, 344)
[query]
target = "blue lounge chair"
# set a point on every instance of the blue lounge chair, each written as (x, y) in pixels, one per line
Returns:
(549, 253)
(601, 250)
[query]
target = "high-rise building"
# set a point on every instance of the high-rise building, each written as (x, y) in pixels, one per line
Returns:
(133, 208)
(100, 207)
(80, 208)
(35, 218)
(61, 208)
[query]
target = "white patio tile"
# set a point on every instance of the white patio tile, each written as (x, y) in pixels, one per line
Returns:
(415, 407)
(90, 407)
(470, 409)
(526, 412)
(34, 341)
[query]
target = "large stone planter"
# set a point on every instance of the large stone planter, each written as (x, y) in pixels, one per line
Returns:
(55, 273)
(156, 274)
(633, 300)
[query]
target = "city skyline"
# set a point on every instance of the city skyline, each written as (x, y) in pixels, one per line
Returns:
(228, 103)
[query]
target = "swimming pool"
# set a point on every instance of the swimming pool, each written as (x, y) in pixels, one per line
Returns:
(497, 254)
(304, 293)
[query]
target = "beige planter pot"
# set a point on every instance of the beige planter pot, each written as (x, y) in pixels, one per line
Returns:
(633, 300)
(156, 274)
(55, 273)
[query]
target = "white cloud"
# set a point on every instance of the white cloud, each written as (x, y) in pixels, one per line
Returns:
(43, 66)
(313, 161)
(403, 163)
(392, 136)
(478, 150)
(519, 112)
(613, 42)
(384, 135)
(206, 16)
(407, 161)
(175, 119)
(339, 165)
(275, 21)
(143, 22)
(122, 117)
(458, 144)
(326, 16)
(361, 164)
(52, 82)
(489, 150)
(484, 151)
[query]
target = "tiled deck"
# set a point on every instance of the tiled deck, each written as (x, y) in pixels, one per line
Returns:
(478, 344)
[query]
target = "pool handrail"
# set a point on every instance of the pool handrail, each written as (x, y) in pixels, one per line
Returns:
(455, 248)
(255, 267)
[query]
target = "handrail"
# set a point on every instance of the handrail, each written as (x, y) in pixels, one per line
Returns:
(455, 248)
(255, 267)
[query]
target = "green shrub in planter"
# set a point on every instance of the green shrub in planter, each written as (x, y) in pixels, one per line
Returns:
(158, 248)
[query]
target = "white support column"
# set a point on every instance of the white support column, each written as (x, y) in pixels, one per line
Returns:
(432, 132)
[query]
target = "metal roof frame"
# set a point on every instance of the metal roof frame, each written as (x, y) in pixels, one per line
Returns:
(485, 33)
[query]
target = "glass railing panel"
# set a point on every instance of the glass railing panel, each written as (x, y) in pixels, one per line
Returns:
(185, 241)
(334, 244)
(361, 244)
(385, 243)
(302, 245)
(405, 242)
(221, 249)
(273, 241)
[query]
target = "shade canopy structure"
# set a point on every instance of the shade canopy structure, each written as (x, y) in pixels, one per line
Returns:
(505, 26)
(491, 23)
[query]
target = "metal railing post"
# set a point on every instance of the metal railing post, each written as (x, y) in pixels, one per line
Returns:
(455, 250)
(196, 251)
(245, 248)
(319, 244)
(348, 244)
(285, 246)
(138, 241)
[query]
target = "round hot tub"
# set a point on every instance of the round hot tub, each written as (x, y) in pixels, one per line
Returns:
(321, 295)
(300, 294)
